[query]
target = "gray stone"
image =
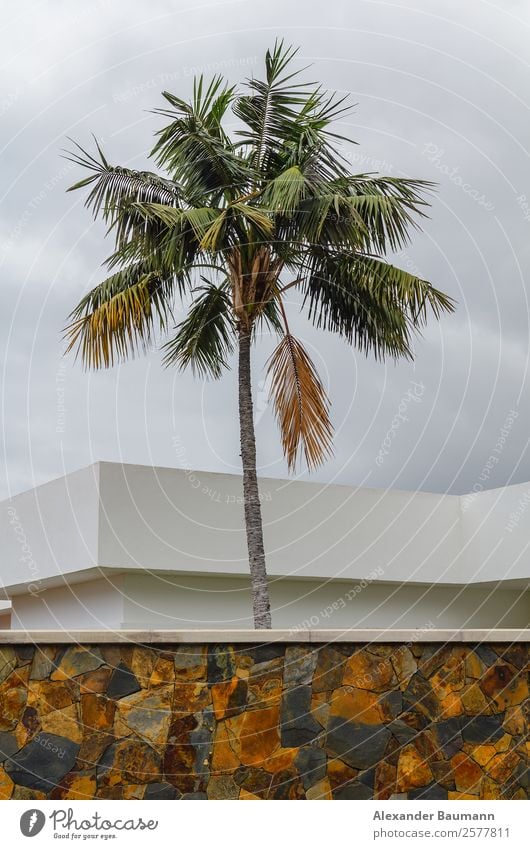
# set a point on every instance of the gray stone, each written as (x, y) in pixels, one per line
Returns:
(487, 655)
(160, 790)
(194, 796)
(432, 791)
(8, 661)
(449, 736)
(8, 745)
(419, 696)
(480, 729)
(297, 724)
(360, 746)
(311, 764)
(221, 663)
(299, 665)
(43, 664)
(122, 683)
(402, 732)
(353, 790)
(43, 762)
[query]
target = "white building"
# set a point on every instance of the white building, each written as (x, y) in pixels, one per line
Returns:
(125, 546)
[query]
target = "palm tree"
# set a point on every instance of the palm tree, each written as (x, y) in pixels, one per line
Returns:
(238, 221)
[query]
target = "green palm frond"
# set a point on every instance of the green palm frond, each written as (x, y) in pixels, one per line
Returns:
(205, 338)
(368, 301)
(195, 148)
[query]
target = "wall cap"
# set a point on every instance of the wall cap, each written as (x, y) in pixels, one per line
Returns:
(351, 635)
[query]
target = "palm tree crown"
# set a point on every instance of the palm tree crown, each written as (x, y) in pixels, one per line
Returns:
(236, 222)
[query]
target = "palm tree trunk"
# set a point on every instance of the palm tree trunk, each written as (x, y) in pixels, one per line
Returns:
(253, 522)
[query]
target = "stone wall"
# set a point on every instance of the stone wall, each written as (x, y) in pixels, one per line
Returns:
(274, 721)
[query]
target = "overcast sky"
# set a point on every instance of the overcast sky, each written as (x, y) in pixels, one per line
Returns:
(441, 92)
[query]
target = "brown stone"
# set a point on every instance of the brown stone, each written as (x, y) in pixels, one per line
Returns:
(502, 766)
(76, 785)
(97, 712)
(456, 794)
(505, 686)
(366, 671)
(412, 770)
(75, 661)
(329, 670)
(229, 697)
(180, 754)
(451, 705)
(147, 714)
(222, 787)
(405, 665)
(443, 774)
(450, 677)
(47, 696)
(467, 773)
(92, 747)
(319, 791)
(265, 689)
(474, 700)
(514, 721)
(190, 697)
(6, 785)
(473, 666)
(320, 708)
(163, 672)
(12, 704)
(190, 663)
(128, 762)
(281, 760)
(340, 773)
(142, 664)
(482, 754)
(63, 722)
(489, 789)
(385, 780)
(95, 681)
(250, 797)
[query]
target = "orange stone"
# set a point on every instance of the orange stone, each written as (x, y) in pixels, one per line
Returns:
(64, 722)
(451, 676)
(6, 785)
(191, 697)
(412, 770)
(451, 705)
(228, 697)
(224, 759)
(467, 773)
(357, 705)
(282, 759)
(482, 754)
(97, 712)
(366, 671)
(257, 733)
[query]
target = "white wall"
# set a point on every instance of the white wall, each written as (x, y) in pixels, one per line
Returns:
(162, 601)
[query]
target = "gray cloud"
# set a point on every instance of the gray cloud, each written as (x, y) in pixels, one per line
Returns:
(442, 94)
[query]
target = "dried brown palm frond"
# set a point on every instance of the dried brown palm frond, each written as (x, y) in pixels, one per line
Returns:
(300, 403)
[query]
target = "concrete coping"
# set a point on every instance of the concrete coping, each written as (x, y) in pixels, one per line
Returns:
(351, 635)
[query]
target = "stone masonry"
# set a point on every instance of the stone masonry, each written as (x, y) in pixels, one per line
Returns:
(274, 721)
